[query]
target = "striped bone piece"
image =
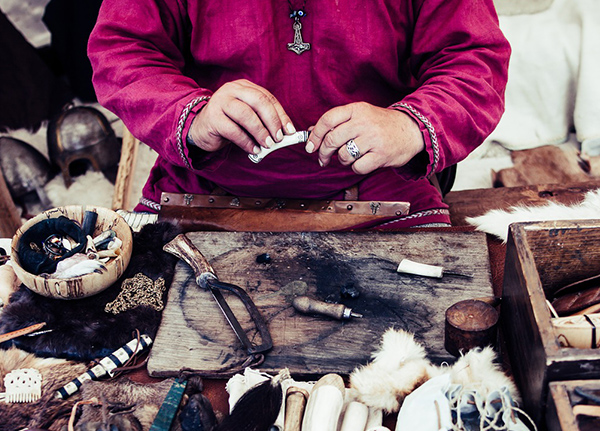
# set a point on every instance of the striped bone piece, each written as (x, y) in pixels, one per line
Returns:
(106, 365)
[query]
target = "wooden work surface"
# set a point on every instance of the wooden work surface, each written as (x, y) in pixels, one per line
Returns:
(195, 335)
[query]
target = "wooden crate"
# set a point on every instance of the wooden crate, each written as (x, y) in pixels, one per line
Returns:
(541, 257)
(562, 413)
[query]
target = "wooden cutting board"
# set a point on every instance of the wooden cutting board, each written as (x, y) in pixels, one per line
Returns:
(194, 334)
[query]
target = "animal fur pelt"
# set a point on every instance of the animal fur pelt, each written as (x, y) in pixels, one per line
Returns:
(128, 405)
(82, 329)
(400, 366)
(496, 222)
(258, 408)
(48, 412)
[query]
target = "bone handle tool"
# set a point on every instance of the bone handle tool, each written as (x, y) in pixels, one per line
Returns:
(407, 266)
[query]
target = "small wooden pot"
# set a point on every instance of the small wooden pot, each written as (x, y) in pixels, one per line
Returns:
(85, 285)
(469, 324)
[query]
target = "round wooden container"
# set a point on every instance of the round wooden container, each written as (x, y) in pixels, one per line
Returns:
(85, 285)
(470, 323)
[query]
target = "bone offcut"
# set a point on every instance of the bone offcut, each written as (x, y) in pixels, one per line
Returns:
(296, 138)
(307, 305)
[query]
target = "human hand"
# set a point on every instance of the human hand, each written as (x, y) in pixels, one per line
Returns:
(385, 137)
(243, 113)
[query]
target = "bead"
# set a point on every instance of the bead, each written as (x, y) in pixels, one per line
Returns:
(349, 291)
(264, 258)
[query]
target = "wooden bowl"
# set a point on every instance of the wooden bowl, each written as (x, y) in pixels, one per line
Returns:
(88, 284)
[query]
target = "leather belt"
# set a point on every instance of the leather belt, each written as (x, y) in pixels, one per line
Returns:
(232, 213)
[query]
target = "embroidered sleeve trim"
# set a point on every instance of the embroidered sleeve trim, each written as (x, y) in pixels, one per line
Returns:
(150, 204)
(180, 139)
(430, 129)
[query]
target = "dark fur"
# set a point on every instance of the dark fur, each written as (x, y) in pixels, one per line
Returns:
(82, 330)
(256, 410)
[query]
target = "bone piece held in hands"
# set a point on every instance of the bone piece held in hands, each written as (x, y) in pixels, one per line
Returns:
(287, 140)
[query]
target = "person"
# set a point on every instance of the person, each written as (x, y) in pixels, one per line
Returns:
(392, 92)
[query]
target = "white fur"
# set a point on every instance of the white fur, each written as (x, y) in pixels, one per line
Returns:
(400, 366)
(91, 188)
(477, 369)
(496, 222)
(397, 347)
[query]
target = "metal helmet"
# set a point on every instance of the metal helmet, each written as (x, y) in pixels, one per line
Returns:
(82, 133)
(25, 169)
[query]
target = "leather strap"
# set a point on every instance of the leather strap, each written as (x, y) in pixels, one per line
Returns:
(21, 332)
(230, 213)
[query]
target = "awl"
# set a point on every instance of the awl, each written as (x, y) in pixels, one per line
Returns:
(304, 304)
(409, 267)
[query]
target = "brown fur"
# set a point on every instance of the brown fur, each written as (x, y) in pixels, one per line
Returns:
(139, 404)
(48, 412)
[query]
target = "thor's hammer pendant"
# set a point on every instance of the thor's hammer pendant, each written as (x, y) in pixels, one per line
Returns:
(298, 46)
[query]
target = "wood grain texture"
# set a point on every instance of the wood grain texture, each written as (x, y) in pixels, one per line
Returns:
(540, 258)
(563, 399)
(127, 162)
(194, 333)
(9, 215)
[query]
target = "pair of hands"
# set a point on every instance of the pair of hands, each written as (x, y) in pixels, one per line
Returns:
(247, 114)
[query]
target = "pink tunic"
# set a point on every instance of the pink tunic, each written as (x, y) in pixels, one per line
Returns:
(443, 62)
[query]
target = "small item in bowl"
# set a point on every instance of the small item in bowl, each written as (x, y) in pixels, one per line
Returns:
(78, 265)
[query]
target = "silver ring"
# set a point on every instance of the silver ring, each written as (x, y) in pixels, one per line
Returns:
(353, 149)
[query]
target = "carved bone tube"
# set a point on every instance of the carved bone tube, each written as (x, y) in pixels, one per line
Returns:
(355, 418)
(375, 418)
(325, 404)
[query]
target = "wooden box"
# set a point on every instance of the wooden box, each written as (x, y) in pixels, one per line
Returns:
(540, 258)
(568, 410)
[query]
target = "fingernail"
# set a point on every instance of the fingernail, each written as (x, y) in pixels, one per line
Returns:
(269, 142)
(279, 135)
(256, 149)
(290, 128)
(321, 163)
(310, 147)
